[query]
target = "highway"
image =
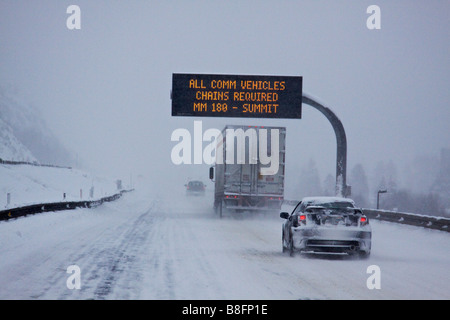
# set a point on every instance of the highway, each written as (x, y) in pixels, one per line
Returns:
(159, 246)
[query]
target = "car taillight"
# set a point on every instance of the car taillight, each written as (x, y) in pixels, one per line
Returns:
(302, 219)
(363, 221)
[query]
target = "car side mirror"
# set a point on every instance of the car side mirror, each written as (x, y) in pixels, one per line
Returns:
(284, 215)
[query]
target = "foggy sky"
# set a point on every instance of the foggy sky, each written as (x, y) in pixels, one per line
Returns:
(105, 89)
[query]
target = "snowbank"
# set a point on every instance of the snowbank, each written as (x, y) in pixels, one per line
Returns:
(28, 184)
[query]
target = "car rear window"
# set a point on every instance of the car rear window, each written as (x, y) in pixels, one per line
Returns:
(340, 204)
(327, 204)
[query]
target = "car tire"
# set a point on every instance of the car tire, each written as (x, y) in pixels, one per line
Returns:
(284, 248)
(291, 248)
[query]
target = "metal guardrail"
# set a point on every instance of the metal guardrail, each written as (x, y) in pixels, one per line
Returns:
(418, 220)
(35, 163)
(292, 203)
(430, 222)
(55, 206)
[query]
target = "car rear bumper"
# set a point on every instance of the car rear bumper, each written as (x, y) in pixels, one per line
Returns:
(195, 193)
(346, 240)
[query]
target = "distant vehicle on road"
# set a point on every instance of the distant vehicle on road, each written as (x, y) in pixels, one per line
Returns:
(326, 224)
(195, 188)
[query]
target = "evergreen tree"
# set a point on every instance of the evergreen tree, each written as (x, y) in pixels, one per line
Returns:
(309, 180)
(391, 176)
(329, 186)
(360, 186)
(441, 185)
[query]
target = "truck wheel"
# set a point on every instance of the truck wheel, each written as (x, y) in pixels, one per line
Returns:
(220, 209)
(363, 254)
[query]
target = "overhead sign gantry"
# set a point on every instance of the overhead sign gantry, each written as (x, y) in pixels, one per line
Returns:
(246, 96)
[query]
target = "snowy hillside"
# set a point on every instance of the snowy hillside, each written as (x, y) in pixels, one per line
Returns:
(24, 135)
(29, 184)
(11, 148)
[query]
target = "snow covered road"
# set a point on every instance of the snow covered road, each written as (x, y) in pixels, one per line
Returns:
(147, 246)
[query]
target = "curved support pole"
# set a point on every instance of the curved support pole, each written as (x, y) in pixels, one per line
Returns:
(342, 190)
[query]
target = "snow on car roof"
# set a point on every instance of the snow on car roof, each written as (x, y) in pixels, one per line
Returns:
(326, 200)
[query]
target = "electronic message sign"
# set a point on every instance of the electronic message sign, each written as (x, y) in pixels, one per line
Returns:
(216, 95)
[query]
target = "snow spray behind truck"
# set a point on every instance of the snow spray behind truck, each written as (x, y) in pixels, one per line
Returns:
(249, 169)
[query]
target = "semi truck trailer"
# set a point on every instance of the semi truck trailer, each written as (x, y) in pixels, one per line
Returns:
(248, 172)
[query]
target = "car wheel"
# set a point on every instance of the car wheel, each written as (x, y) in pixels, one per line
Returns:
(291, 247)
(283, 241)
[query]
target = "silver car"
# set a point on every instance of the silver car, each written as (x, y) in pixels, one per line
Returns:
(326, 224)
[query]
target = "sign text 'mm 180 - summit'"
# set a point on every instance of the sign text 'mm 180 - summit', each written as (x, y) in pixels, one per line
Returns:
(207, 95)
